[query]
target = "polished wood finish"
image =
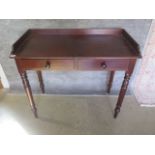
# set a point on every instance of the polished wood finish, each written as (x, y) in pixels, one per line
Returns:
(103, 64)
(29, 92)
(39, 64)
(121, 94)
(70, 43)
(76, 49)
(124, 87)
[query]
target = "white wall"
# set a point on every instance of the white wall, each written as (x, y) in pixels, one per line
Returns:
(145, 81)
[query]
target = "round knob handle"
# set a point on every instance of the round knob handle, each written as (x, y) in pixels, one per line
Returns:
(48, 65)
(103, 65)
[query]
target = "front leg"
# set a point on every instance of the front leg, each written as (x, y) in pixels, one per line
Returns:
(28, 92)
(122, 94)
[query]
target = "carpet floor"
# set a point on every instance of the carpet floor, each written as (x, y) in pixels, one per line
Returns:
(74, 115)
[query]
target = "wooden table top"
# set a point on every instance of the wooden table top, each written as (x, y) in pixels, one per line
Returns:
(68, 43)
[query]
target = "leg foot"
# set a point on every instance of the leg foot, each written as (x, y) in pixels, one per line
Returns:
(35, 113)
(116, 112)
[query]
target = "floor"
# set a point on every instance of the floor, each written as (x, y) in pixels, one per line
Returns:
(67, 115)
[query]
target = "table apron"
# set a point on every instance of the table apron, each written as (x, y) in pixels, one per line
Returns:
(73, 64)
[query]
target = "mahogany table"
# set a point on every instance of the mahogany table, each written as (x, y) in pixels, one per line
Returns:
(76, 49)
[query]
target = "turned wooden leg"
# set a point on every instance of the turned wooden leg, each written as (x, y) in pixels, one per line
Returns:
(110, 81)
(122, 94)
(41, 81)
(29, 92)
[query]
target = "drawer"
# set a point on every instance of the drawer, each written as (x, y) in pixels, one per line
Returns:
(62, 64)
(52, 64)
(103, 64)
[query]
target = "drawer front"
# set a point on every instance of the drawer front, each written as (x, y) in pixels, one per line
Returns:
(46, 64)
(103, 64)
(62, 64)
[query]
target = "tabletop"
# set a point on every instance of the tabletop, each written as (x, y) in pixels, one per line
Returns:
(68, 43)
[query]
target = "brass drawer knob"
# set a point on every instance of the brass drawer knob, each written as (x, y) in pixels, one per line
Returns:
(103, 65)
(47, 65)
